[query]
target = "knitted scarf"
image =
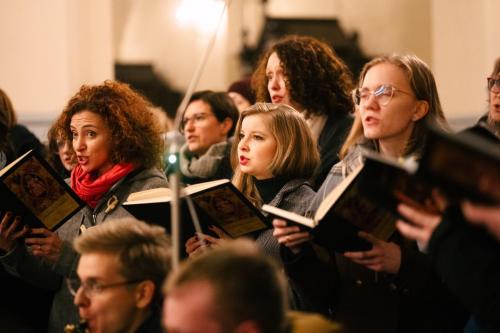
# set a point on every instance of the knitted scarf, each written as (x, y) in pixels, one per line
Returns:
(91, 189)
(203, 166)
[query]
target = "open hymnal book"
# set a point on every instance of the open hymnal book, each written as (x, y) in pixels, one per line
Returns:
(217, 203)
(352, 206)
(462, 167)
(31, 188)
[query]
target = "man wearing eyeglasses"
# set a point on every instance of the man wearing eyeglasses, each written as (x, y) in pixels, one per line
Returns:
(122, 266)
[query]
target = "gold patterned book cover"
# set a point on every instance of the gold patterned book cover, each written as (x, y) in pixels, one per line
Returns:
(30, 187)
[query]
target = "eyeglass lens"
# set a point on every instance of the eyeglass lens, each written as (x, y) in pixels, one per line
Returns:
(494, 84)
(382, 94)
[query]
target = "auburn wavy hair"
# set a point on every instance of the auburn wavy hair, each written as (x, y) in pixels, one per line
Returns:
(135, 133)
(317, 79)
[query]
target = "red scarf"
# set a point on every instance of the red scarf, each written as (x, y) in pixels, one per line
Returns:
(91, 189)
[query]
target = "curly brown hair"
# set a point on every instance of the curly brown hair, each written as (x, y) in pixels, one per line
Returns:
(317, 78)
(135, 135)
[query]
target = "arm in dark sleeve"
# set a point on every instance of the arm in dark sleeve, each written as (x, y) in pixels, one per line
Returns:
(468, 260)
(21, 263)
(312, 276)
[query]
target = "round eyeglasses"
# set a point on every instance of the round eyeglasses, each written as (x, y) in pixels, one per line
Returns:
(493, 84)
(92, 287)
(383, 94)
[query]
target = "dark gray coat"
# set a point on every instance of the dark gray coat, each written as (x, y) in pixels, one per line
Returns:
(21, 263)
(367, 301)
(295, 196)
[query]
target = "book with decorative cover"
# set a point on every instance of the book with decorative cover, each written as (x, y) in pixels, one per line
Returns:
(465, 166)
(365, 200)
(217, 203)
(31, 188)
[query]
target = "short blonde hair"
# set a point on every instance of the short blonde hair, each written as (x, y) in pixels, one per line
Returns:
(297, 155)
(143, 250)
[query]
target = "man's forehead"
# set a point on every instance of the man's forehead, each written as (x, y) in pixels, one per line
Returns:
(98, 265)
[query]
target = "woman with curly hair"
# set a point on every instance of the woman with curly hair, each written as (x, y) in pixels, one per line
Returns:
(306, 74)
(118, 148)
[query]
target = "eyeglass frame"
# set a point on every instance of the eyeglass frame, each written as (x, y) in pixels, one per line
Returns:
(96, 288)
(196, 118)
(496, 83)
(377, 92)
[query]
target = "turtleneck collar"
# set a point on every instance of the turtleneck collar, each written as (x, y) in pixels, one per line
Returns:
(268, 188)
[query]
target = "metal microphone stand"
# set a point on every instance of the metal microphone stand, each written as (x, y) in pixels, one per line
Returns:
(174, 141)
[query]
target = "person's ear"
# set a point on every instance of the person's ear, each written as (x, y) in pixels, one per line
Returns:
(144, 294)
(226, 125)
(248, 326)
(421, 110)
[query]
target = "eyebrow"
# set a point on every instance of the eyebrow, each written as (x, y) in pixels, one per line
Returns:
(86, 126)
(198, 113)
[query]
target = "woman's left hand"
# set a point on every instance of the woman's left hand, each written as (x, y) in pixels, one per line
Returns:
(383, 257)
(46, 245)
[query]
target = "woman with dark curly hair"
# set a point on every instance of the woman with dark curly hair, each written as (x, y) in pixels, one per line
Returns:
(118, 148)
(306, 74)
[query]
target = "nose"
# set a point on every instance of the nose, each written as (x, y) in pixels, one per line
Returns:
(79, 143)
(274, 83)
(371, 103)
(242, 145)
(81, 298)
(188, 125)
(65, 149)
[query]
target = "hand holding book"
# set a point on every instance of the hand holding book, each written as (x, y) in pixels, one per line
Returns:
(290, 236)
(382, 257)
(200, 242)
(44, 243)
(11, 231)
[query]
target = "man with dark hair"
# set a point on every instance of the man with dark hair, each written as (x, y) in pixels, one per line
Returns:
(233, 288)
(208, 124)
(123, 264)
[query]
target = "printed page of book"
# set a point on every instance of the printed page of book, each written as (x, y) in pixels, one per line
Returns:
(161, 194)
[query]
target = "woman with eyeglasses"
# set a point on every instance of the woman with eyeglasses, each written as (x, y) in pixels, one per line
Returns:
(207, 125)
(388, 288)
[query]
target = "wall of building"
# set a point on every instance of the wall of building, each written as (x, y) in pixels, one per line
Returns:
(51, 47)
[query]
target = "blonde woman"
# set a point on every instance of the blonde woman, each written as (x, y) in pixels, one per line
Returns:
(273, 156)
